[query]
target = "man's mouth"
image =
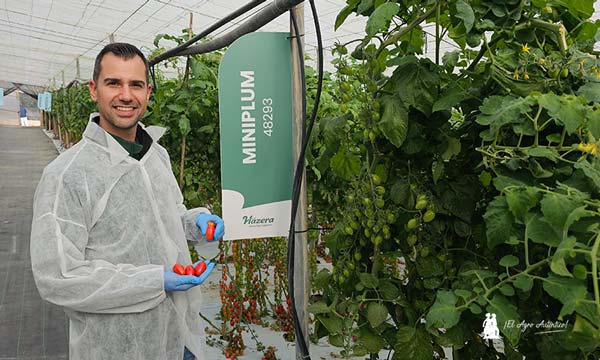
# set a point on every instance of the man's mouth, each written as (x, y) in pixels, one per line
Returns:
(125, 108)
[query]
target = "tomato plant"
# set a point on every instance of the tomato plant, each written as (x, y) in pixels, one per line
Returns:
(463, 185)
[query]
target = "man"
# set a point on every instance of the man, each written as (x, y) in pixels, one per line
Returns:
(109, 224)
(23, 115)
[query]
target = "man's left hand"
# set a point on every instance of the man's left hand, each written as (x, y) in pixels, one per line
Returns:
(202, 221)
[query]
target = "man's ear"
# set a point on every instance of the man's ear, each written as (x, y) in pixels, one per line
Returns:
(92, 88)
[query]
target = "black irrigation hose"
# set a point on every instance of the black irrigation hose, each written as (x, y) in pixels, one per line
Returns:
(176, 50)
(302, 344)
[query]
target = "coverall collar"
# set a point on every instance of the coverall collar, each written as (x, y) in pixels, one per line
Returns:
(94, 133)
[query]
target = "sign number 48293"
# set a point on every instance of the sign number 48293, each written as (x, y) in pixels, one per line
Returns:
(267, 116)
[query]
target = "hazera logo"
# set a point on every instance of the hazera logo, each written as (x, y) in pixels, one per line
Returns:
(251, 220)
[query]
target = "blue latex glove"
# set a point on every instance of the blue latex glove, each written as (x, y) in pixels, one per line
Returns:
(176, 282)
(202, 222)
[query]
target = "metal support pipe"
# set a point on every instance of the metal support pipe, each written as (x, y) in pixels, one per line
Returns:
(267, 14)
(301, 270)
(177, 50)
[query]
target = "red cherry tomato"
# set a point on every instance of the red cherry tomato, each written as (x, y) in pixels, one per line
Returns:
(189, 270)
(178, 269)
(200, 268)
(210, 231)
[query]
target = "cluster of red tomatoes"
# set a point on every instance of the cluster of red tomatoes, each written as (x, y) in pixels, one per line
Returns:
(190, 270)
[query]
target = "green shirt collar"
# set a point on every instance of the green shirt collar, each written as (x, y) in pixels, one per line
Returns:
(133, 148)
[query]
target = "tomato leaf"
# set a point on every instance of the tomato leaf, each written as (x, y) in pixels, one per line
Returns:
(380, 18)
(466, 14)
(412, 344)
(394, 120)
(443, 313)
(345, 165)
(368, 280)
(523, 282)
(377, 313)
(571, 292)
(372, 342)
(341, 17)
(500, 223)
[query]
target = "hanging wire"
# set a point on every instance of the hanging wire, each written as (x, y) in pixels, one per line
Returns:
(301, 337)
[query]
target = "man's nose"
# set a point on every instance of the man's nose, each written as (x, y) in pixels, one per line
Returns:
(125, 94)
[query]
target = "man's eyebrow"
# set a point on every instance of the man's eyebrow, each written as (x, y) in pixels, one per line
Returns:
(138, 82)
(111, 80)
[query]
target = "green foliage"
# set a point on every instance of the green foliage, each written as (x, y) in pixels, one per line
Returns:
(71, 106)
(470, 185)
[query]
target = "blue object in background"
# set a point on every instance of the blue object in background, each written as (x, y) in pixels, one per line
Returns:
(1, 96)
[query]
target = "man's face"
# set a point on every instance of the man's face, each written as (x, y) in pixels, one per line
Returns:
(121, 92)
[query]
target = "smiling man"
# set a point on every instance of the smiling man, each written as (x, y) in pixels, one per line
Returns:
(109, 224)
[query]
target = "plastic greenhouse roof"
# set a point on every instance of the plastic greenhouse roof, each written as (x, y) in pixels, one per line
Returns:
(41, 39)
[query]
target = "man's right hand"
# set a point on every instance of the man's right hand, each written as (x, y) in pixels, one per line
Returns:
(176, 282)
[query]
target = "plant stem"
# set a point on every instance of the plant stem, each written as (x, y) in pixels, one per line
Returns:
(408, 28)
(501, 283)
(211, 324)
(594, 256)
(526, 247)
(438, 39)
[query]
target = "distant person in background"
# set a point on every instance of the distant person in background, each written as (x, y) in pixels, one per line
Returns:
(23, 116)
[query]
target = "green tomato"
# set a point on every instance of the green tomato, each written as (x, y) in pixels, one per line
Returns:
(424, 251)
(357, 256)
(344, 108)
(376, 179)
(429, 216)
(564, 73)
(412, 224)
(348, 230)
(377, 240)
(372, 136)
(421, 204)
(411, 239)
(366, 201)
(380, 190)
(391, 217)
(346, 273)
(379, 203)
(580, 271)
(345, 87)
(346, 70)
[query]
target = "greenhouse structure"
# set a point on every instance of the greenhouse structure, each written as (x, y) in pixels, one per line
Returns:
(289, 179)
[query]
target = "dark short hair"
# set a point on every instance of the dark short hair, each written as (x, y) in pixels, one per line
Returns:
(123, 50)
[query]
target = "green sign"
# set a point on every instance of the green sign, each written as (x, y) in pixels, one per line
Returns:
(255, 106)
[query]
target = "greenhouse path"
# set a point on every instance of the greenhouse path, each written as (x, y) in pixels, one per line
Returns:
(29, 327)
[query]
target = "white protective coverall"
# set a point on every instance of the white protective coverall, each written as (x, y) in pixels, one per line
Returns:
(105, 227)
